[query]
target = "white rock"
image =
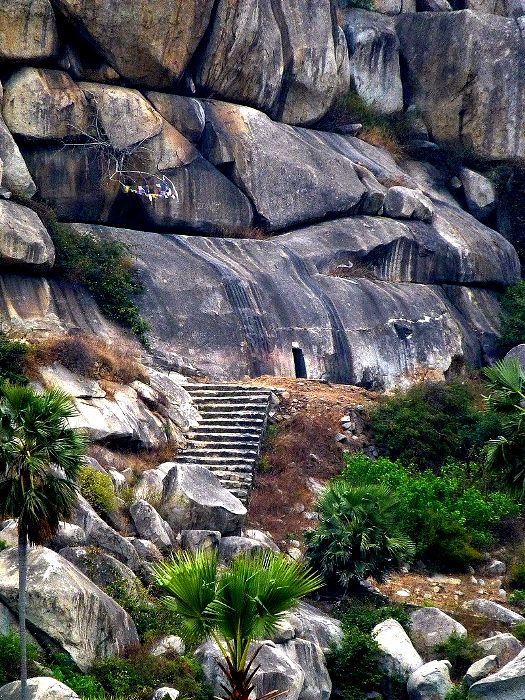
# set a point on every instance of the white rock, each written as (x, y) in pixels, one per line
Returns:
(399, 659)
(506, 684)
(165, 694)
(480, 669)
(493, 611)
(503, 645)
(480, 193)
(431, 626)
(40, 688)
(430, 682)
(167, 646)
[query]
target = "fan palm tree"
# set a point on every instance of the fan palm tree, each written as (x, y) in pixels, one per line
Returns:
(236, 605)
(40, 456)
(506, 400)
(358, 534)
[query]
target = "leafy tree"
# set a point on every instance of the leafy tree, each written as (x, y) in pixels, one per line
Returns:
(236, 606)
(40, 456)
(506, 398)
(358, 534)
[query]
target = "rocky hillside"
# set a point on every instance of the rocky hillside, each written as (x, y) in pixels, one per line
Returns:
(189, 131)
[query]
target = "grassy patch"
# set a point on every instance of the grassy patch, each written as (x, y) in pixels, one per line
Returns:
(98, 490)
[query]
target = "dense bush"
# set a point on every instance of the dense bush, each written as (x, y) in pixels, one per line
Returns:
(13, 354)
(458, 692)
(103, 266)
(151, 617)
(513, 316)
(84, 684)
(98, 490)
(445, 515)
(359, 533)
(429, 423)
(461, 651)
(354, 662)
(516, 578)
(136, 678)
(10, 658)
(519, 631)
(3, 545)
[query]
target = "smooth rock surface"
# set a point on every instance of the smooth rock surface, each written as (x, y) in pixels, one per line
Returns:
(480, 193)
(493, 611)
(480, 669)
(399, 659)
(431, 626)
(24, 240)
(168, 646)
(28, 30)
(430, 682)
(39, 688)
(506, 684)
(194, 498)
(309, 657)
(99, 567)
(15, 177)
(504, 646)
(66, 606)
(149, 525)
(195, 540)
(404, 203)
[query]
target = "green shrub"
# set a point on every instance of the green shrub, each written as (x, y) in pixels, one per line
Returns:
(97, 488)
(446, 516)
(513, 316)
(517, 598)
(10, 658)
(353, 665)
(365, 616)
(360, 4)
(359, 533)
(3, 545)
(13, 354)
(428, 424)
(103, 266)
(459, 692)
(517, 576)
(461, 652)
(151, 617)
(84, 684)
(135, 678)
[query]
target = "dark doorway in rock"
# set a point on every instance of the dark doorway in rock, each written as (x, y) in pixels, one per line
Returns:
(299, 363)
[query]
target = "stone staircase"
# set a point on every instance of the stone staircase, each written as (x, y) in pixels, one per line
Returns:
(229, 436)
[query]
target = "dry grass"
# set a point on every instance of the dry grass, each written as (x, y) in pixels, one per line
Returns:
(357, 270)
(382, 138)
(89, 356)
(137, 462)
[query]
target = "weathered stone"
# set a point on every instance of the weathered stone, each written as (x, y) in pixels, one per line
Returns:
(493, 611)
(518, 353)
(230, 547)
(168, 646)
(503, 646)
(195, 498)
(184, 113)
(165, 39)
(431, 626)
(430, 682)
(480, 194)
(68, 535)
(149, 486)
(58, 376)
(398, 659)
(374, 60)
(24, 240)
(276, 671)
(506, 684)
(315, 626)
(404, 203)
(453, 60)
(40, 688)
(146, 549)
(9, 533)
(309, 657)
(480, 669)
(495, 568)
(273, 165)
(196, 540)
(165, 694)
(290, 61)
(433, 6)
(181, 408)
(15, 176)
(394, 7)
(262, 537)
(45, 104)
(67, 607)
(100, 534)
(28, 30)
(149, 525)
(99, 567)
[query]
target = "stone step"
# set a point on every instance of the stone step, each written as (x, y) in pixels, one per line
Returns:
(252, 409)
(202, 459)
(225, 388)
(234, 414)
(219, 451)
(234, 423)
(222, 445)
(219, 436)
(243, 469)
(230, 398)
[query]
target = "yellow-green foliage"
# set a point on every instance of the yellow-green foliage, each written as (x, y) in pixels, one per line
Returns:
(97, 488)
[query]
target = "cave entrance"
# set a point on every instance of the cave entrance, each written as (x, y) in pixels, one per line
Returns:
(299, 363)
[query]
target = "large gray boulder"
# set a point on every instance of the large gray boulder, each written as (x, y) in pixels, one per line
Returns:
(480, 193)
(480, 669)
(40, 688)
(68, 535)
(430, 682)
(506, 684)
(24, 240)
(431, 626)
(405, 203)
(15, 177)
(315, 626)
(195, 499)
(100, 534)
(99, 566)
(186, 114)
(165, 39)
(398, 658)
(28, 30)
(493, 611)
(45, 104)
(290, 61)
(232, 546)
(67, 607)
(276, 671)
(195, 540)
(504, 646)
(308, 656)
(289, 175)
(452, 61)
(374, 60)
(149, 525)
